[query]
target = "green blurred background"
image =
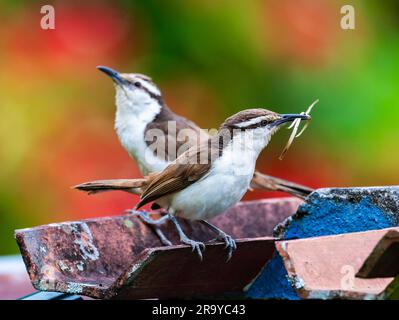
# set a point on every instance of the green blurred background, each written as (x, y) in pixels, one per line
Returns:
(210, 59)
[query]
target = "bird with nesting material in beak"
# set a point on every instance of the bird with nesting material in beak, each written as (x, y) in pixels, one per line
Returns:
(141, 110)
(194, 189)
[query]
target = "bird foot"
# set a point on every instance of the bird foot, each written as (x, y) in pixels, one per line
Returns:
(230, 244)
(154, 224)
(196, 246)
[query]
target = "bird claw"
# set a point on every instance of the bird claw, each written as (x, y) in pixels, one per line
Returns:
(197, 246)
(230, 244)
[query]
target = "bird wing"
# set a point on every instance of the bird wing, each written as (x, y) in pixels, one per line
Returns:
(181, 173)
(184, 135)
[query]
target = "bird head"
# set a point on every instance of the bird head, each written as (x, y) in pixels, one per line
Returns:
(265, 120)
(259, 124)
(134, 92)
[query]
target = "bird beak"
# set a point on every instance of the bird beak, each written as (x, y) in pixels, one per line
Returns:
(115, 75)
(284, 118)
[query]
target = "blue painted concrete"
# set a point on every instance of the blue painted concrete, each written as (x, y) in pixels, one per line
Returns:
(327, 212)
(335, 211)
(273, 283)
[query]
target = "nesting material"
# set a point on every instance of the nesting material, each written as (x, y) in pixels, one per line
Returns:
(295, 126)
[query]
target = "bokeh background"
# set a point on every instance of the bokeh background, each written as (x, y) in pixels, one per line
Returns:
(211, 59)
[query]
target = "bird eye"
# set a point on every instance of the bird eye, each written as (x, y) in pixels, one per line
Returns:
(263, 123)
(137, 84)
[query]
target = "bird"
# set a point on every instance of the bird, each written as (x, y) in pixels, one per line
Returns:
(141, 109)
(210, 177)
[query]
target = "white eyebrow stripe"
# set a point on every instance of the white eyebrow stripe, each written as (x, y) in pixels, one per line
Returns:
(149, 86)
(250, 122)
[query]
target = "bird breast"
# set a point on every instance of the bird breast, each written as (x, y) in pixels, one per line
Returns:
(130, 128)
(222, 187)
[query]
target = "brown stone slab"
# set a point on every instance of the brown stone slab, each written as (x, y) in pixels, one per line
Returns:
(252, 219)
(175, 272)
(325, 267)
(87, 257)
(383, 261)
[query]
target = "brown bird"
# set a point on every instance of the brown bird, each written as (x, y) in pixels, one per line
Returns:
(209, 177)
(141, 113)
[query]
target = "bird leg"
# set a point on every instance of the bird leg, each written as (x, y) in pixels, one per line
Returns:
(165, 241)
(154, 224)
(144, 216)
(138, 212)
(221, 235)
(195, 245)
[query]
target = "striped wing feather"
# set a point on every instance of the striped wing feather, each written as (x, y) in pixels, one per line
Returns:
(178, 175)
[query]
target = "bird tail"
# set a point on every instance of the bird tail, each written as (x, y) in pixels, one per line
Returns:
(261, 181)
(128, 185)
